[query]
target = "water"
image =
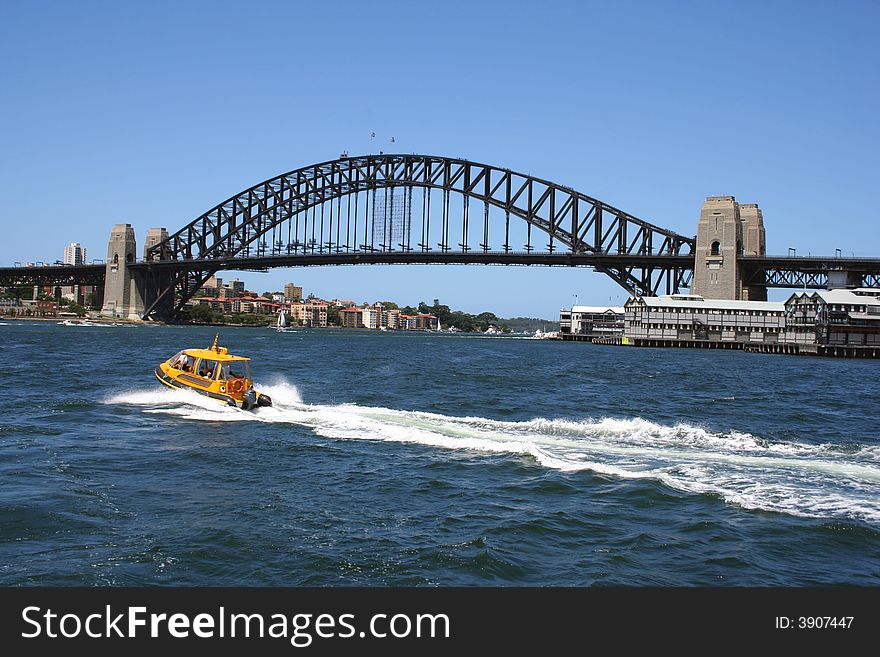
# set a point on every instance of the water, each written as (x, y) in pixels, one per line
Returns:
(426, 460)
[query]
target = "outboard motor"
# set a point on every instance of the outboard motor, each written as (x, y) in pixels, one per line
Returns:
(249, 400)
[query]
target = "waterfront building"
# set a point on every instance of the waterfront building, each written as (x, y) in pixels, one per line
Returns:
(427, 322)
(370, 317)
(244, 306)
(392, 318)
(406, 322)
(686, 317)
(588, 322)
(351, 317)
(10, 306)
(834, 318)
(293, 292)
(236, 286)
(215, 303)
(312, 313)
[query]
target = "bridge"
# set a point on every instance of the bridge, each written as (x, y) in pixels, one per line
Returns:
(416, 209)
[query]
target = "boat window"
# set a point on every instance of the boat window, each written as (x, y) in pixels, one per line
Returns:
(206, 368)
(181, 361)
(237, 369)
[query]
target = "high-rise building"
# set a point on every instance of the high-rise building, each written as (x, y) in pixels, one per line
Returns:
(292, 292)
(74, 254)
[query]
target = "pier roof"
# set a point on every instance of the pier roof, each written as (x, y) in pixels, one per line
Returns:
(698, 302)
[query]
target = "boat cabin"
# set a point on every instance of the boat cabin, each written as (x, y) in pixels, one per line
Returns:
(211, 365)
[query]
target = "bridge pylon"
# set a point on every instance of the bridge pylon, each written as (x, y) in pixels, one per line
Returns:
(726, 231)
(128, 290)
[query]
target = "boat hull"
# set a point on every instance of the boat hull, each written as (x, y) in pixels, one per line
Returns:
(178, 384)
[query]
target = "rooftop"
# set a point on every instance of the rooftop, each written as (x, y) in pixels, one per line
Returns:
(696, 301)
(860, 296)
(597, 310)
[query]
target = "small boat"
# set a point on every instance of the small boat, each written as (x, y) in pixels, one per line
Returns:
(214, 373)
(281, 324)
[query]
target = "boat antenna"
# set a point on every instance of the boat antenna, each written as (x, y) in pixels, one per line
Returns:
(214, 346)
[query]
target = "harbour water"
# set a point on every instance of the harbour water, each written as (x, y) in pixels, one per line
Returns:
(432, 460)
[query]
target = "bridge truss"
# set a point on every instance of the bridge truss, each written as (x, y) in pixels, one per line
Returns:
(415, 208)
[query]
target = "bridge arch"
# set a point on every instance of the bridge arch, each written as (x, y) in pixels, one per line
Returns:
(389, 218)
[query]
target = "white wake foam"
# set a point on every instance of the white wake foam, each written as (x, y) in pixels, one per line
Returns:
(814, 480)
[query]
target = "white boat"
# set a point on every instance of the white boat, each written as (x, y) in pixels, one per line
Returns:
(281, 324)
(549, 335)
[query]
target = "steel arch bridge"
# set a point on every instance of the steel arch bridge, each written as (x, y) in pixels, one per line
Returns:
(404, 209)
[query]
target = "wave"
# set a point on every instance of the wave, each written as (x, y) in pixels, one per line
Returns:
(811, 480)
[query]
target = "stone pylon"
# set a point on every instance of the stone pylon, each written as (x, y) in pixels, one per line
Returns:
(726, 231)
(118, 284)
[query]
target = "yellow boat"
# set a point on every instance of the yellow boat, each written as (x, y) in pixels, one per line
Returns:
(214, 373)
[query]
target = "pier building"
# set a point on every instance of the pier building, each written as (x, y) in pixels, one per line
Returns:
(589, 322)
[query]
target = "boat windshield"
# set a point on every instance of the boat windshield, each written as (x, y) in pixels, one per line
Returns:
(235, 369)
(181, 361)
(207, 368)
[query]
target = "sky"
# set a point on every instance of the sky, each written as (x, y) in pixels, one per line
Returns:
(151, 113)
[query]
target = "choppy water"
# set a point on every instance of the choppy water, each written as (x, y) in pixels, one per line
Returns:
(412, 459)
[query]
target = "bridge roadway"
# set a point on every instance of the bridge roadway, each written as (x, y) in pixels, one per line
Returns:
(807, 266)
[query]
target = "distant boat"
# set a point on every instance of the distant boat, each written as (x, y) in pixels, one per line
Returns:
(549, 335)
(281, 324)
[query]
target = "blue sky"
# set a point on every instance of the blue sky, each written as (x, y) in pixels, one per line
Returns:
(151, 113)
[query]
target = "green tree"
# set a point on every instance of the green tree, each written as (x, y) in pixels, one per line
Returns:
(202, 314)
(333, 318)
(78, 309)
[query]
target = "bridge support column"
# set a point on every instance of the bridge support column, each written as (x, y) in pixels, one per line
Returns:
(123, 289)
(727, 230)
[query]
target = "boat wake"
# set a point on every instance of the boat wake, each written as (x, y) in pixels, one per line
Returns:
(811, 480)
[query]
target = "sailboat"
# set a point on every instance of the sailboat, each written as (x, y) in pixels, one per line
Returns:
(281, 324)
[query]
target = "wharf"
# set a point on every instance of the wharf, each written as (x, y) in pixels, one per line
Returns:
(835, 351)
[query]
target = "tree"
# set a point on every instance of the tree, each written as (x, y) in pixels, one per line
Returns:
(389, 305)
(202, 313)
(333, 318)
(78, 309)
